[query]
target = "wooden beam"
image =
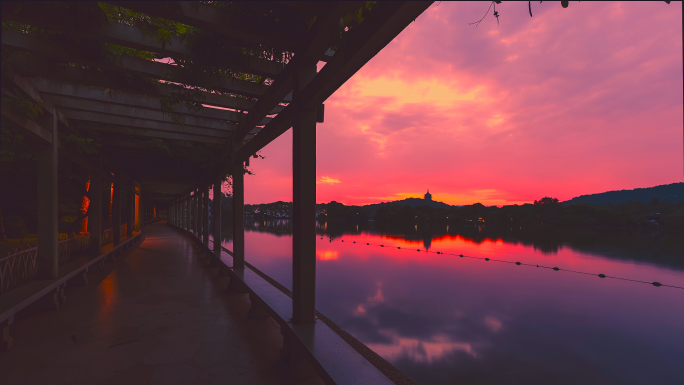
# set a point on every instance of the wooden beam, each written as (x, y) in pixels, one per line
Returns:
(76, 91)
(53, 49)
(101, 107)
(37, 132)
(25, 86)
(158, 134)
(153, 125)
(141, 145)
(378, 30)
(314, 46)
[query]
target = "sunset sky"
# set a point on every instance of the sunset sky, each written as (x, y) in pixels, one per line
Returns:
(569, 102)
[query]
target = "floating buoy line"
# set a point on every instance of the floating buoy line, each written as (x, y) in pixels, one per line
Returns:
(657, 284)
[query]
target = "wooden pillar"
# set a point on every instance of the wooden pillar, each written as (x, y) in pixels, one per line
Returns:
(116, 209)
(191, 211)
(184, 205)
(217, 216)
(198, 212)
(304, 203)
(130, 228)
(48, 249)
(205, 216)
(141, 211)
(95, 209)
(238, 216)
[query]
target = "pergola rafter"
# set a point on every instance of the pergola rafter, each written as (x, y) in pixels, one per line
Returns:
(77, 76)
(314, 46)
(98, 123)
(135, 37)
(361, 47)
(48, 87)
(214, 19)
(55, 50)
(101, 107)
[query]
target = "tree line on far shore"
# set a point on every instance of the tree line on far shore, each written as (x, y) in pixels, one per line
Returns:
(546, 211)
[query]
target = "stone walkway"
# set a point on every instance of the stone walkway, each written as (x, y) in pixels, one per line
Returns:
(157, 317)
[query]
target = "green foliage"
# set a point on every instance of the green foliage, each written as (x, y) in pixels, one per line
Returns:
(15, 99)
(118, 50)
(82, 145)
(157, 143)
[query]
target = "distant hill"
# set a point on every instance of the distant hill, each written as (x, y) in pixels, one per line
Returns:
(668, 192)
(413, 202)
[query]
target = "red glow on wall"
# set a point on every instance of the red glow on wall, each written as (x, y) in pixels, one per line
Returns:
(85, 202)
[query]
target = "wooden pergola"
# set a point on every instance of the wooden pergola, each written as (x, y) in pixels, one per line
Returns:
(241, 115)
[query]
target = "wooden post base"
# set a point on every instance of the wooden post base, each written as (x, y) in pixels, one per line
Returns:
(292, 357)
(256, 310)
(7, 341)
(81, 279)
(234, 287)
(52, 300)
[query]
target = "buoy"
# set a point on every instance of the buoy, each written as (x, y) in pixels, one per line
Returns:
(657, 284)
(382, 245)
(461, 255)
(555, 268)
(367, 244)
(418, 250)
(486, 259)
(398, 247)
(517, 263)
(602, 275)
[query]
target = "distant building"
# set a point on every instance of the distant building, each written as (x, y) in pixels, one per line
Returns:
(428, 196)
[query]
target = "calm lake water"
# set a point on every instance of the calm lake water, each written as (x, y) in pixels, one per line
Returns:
(444, 319)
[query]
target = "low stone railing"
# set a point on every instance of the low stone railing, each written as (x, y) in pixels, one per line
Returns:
(72, 247)
(108, 235)
(21, 266)
(17, 268)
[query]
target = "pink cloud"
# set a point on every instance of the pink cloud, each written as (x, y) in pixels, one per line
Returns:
(572, 101)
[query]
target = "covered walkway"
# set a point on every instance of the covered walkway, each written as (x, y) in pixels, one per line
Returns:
(156, 317)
